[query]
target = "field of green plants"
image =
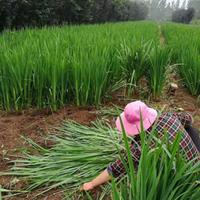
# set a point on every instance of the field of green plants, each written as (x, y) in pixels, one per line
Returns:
(185, 42)
(86, 65)
(52, 67)
(55, 66)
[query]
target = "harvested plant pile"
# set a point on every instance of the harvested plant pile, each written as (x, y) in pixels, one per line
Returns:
(79, 154)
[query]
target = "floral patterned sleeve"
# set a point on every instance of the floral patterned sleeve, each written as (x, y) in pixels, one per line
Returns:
(117, 168)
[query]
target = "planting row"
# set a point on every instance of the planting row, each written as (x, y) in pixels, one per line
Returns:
(51, 67)
(79, 64)
(185, 42)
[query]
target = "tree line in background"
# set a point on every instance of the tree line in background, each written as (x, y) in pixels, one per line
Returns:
(22, 13)
(183, 15)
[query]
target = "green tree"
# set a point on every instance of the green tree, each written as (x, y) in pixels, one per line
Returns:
(137, 10)
(23, 13)
(183, 15)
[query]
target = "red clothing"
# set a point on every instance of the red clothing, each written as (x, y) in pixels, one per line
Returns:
(172, 123)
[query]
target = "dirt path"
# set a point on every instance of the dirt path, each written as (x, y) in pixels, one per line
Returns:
(162, 38)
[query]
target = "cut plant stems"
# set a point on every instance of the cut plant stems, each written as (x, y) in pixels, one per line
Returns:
(79, 154)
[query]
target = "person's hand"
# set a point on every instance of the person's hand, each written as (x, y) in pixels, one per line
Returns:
(87, 186)
(99, 180)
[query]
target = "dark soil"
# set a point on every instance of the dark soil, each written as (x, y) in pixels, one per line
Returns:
(38, 124)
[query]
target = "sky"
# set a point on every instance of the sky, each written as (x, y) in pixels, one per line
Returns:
(181, 1)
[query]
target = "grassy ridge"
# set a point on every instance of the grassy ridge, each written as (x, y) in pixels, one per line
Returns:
(185, 42)
(54, 66)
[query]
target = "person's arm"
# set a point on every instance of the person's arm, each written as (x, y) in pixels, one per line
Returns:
(115, 169)
(99, 180)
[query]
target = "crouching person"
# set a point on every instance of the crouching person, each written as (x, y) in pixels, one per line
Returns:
(165, 123)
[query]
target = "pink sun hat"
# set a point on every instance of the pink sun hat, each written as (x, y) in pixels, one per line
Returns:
(131, 118)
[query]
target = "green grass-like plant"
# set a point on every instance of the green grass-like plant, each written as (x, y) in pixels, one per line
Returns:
(159, 61)
(54, 66)
(134, 61)
(185, 44)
